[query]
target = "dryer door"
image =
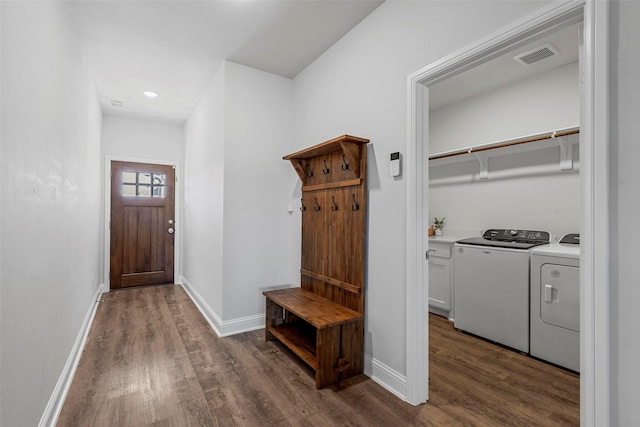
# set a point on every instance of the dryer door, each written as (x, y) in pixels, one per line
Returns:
(560, 296)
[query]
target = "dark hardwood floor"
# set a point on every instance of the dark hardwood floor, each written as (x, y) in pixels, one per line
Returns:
(152, 360)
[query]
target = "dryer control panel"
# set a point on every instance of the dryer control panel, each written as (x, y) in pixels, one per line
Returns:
(570, 239)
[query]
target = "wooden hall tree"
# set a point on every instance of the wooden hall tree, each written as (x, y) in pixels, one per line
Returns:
(323, 320)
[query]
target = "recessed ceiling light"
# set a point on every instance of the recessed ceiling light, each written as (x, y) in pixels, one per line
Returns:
(150, 93)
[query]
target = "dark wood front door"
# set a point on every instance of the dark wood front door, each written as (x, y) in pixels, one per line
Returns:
(142, 224)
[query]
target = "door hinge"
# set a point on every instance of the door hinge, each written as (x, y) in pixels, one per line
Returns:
(426, 255)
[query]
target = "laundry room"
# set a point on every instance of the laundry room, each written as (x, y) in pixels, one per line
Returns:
(504, 166)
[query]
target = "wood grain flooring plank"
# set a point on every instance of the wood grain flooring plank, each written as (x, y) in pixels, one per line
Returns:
(522, 385)
(151, 359)
(143, 374)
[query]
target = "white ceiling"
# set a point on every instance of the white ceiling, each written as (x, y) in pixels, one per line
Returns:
(505, 70)
(175, 47)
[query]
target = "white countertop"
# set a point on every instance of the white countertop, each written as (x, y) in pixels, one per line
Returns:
(452, 236)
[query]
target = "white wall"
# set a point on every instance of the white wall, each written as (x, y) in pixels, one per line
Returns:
(257, 254)
(50, 192)
(359, 87)
(237, 226)
(625, 209)
(204, 195)
(142, 139)
(1, 211)
(546, 102)
(525, 189)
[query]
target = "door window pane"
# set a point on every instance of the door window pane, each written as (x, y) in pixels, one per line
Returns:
(128, 190)
(159, 179)
(158, 191)
(144, 190)
(143, 184)
(144, 178)
(129, 177)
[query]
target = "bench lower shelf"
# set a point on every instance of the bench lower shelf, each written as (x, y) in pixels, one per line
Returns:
(299, 340)
(333, 348)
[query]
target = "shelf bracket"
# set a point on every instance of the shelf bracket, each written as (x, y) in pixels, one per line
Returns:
(301, 166)
(352, 151)
(566, 153)
(484, 165)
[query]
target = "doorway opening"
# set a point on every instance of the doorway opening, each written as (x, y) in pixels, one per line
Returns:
(593, 195)
(141, 236)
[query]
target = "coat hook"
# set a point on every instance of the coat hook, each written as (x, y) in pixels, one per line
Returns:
(355, 206)
(345, 165)
(334, 207)
(310, 172)
(317, 206)
(325, 170)
(302, 206)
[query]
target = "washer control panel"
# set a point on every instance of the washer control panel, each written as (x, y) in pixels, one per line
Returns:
(524, 236)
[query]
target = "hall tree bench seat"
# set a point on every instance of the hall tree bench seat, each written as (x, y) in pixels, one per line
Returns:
(325, 335)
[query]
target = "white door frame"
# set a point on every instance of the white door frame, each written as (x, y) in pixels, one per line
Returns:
(177, 272)
(594, 272)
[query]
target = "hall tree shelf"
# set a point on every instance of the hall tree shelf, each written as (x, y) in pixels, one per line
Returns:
(482, 153)
(322, 321)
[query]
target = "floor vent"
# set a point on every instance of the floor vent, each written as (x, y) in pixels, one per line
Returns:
(538, 54)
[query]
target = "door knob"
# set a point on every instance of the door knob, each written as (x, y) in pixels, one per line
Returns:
(170, 230)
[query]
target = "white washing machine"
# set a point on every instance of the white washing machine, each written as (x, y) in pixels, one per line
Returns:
(491, 282)
(555, 302)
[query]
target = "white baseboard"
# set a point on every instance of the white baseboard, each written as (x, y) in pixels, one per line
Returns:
(53, 408)
(387, 377)
(390, 379)
(223, 328)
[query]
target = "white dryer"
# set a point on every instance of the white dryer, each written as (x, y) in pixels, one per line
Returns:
(555, 302)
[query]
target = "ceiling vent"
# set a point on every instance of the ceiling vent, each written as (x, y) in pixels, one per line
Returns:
(117, 104)
(538, 54)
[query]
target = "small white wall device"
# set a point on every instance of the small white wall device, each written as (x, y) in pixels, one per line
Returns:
(395, 164)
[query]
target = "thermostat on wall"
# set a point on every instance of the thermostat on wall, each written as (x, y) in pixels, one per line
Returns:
(395, 164)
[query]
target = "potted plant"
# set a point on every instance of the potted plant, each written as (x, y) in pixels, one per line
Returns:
(438, 224)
